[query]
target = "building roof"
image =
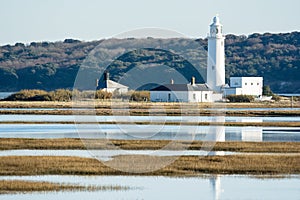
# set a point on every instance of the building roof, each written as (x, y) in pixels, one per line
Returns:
(182, 87)
(111, 84)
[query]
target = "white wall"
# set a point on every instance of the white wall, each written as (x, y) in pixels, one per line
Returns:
(181, 96)
(122, 90)
(245, 86)
(253, 134)
(200, 96)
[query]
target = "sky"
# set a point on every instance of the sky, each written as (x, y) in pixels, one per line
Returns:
(55, 20)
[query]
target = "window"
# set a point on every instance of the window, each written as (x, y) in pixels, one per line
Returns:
(205, 96)
(213, 67)
(169, 97)
(194, 96)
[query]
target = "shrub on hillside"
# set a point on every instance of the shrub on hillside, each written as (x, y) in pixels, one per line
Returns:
(240, 98)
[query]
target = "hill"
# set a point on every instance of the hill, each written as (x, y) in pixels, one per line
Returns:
(53, 65)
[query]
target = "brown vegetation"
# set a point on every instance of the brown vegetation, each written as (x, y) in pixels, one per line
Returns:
(72, 143)
(185, 165)
(143, 105)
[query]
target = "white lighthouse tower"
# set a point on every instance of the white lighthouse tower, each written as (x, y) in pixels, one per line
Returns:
(216, 56)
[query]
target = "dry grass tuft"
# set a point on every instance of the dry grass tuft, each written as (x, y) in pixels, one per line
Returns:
(17, 186)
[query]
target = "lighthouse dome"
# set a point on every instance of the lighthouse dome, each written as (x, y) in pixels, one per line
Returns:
(216, 19)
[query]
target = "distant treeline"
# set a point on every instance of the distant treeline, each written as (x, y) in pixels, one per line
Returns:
(53, 65)
(67, 95)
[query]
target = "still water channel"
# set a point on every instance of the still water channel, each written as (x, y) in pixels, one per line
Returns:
(153, 132)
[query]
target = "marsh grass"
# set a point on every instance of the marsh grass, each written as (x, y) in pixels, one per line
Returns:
(20, 186)
(183, 166)
(74, 143)
(154, 112)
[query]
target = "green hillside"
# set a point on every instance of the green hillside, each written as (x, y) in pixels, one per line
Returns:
(53, 65)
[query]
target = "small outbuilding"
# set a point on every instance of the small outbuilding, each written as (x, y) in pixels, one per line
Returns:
(245, 86)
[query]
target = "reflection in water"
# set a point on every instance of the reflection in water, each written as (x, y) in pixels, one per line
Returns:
(217, 133)
(151, 187)
(215, 183)
(231, 133)
(108, 154)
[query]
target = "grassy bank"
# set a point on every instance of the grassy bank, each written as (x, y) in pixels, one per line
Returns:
(148, 108)
(183, 166)
(154, 112)
(70, 143)
(142, 105)
(17, 186)
(259, 124)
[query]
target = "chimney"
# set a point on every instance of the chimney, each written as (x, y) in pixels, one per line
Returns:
(106, 76)
(193, 81)
(97, 83)
(172, 81)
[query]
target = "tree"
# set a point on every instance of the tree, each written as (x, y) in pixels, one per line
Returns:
(267, 91)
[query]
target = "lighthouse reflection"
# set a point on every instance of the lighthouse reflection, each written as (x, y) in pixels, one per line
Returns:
(217, 134)
(215, 184)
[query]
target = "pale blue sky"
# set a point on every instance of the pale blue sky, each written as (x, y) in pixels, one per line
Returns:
(53, 20)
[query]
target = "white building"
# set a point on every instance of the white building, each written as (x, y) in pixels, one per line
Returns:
(191, 92)
(245, 86)
(112, 86)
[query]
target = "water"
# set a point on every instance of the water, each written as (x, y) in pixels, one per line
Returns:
(208, 187)
(215, 187)
(86, 118)
(289, 94)
(108, 154)
(3, 95)
(153, 132)
(120, 109)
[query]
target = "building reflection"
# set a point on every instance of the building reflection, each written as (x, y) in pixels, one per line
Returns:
(220, 133)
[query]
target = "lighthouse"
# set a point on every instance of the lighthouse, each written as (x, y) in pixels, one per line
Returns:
(216, 56)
